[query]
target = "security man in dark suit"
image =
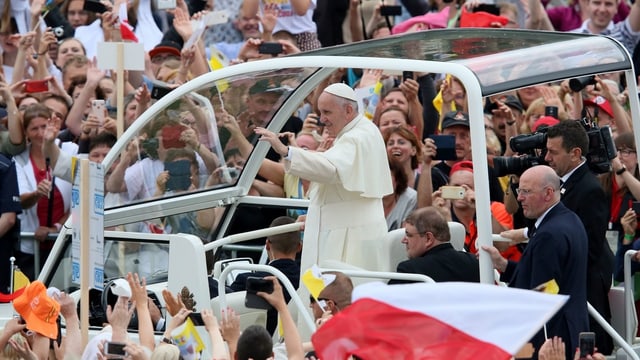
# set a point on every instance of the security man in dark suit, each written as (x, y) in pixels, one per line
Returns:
(430, 252)
(557, 250)
(567, 145)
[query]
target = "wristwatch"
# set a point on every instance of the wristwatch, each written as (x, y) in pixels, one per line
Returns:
(621, 170)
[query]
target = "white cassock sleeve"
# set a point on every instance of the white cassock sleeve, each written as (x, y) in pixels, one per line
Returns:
(357, 160)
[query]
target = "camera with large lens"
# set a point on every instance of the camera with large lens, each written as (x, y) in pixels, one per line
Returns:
(531, 146)
(601, 148)
(577, 84)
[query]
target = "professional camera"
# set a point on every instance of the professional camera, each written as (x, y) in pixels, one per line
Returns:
(601, 148)
(533, 148)
(577, 84)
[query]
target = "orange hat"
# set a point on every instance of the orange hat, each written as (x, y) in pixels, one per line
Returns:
(38, 310)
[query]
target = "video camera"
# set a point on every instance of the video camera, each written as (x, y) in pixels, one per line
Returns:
(533, 147)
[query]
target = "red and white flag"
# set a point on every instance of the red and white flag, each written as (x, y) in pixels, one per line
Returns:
(126, 30)
(435, 321)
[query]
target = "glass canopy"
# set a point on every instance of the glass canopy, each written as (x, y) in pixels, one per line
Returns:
(501, 59)
(222, 107)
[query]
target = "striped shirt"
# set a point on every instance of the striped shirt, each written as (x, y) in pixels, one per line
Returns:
(620, 31)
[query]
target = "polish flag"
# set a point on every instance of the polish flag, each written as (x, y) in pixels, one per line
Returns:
(126, 30)
(435, 321)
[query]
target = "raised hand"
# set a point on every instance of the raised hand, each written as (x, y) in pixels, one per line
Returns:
(230, 325)
(269, 17)
(173, 303)
(410, 89)
(273, 139)
(370, 77)
(120, 316)
(182, 24)
(138, 289)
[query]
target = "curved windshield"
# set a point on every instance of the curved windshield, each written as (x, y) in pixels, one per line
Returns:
(200, 141)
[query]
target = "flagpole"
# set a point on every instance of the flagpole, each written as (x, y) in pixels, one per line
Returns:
(120, 89)
(12, 260)
(84, 251)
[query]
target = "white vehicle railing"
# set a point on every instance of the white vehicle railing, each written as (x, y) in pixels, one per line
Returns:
(382, 275)
(36, 249)
(611, 331)
(250, 235)
(630, 335)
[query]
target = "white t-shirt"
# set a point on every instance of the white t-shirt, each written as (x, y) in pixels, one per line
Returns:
(289, 21)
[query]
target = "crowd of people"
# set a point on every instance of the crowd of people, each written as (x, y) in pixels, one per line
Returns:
(366, 170)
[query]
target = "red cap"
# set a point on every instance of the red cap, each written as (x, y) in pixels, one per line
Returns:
(545, 120)
(600, 102)
(465, 165)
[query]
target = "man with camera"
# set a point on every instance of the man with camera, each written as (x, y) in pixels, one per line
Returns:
(567, 144)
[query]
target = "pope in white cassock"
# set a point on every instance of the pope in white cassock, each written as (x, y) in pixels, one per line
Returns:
(345, 221)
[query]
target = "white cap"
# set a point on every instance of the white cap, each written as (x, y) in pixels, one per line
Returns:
(54, 293)
(341, 90)
(120, 287)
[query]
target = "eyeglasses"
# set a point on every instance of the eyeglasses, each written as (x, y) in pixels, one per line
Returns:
(626, 152)
(527, 192)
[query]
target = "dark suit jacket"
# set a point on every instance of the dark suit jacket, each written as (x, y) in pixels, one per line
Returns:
(557, 250)
(583, 194)
(442, 263)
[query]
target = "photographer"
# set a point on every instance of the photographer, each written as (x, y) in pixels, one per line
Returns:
(567, 144)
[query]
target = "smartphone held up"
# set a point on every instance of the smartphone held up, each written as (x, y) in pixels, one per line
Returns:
(36, 86)
(115, 350)
(98, 109)
(255, 285)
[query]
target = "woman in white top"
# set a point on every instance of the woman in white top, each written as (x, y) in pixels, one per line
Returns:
(43, 210)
